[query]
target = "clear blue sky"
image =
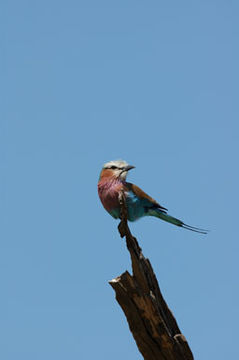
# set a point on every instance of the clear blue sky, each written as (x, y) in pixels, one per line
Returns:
(85, 82)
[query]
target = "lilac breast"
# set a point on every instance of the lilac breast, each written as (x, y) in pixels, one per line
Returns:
(109, 192)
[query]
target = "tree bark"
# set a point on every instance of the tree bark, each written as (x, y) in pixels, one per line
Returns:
(151, 322)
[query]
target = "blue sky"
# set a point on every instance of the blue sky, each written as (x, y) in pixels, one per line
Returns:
(85, 82)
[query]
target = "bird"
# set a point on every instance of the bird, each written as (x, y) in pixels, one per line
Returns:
(112, 182)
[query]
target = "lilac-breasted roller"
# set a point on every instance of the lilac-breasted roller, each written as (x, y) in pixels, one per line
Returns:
(113, 180)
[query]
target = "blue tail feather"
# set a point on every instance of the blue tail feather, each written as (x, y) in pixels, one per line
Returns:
(172, 220)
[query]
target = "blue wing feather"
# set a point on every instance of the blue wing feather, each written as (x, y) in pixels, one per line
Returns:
(137, 207)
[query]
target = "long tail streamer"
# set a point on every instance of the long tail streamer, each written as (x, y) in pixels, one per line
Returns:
(175, 221)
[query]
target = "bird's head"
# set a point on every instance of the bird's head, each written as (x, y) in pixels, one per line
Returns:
(116, 169)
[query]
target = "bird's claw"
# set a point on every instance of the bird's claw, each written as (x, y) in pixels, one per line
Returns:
(121, 228)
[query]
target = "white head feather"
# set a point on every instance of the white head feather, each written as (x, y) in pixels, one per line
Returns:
(118, 167)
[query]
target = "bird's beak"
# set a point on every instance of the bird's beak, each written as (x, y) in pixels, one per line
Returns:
(128, 167)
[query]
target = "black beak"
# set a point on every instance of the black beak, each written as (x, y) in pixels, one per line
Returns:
(128, 167)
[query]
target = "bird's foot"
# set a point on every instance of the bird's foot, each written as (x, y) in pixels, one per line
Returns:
(121, 228)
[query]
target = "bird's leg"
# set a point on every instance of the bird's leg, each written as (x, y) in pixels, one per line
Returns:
(123, 219)
(121, 229)
(123, 226)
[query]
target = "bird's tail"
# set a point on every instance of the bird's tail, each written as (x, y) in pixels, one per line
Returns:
(175, 221)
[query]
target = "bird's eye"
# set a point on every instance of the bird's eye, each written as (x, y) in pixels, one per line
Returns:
(113, 167)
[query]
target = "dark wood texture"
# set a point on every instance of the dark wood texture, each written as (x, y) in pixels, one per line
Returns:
(151, 322)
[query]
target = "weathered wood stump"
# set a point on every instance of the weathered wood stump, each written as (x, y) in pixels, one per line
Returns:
(151, 322)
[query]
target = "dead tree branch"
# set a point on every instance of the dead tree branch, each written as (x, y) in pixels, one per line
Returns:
(151, 322)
